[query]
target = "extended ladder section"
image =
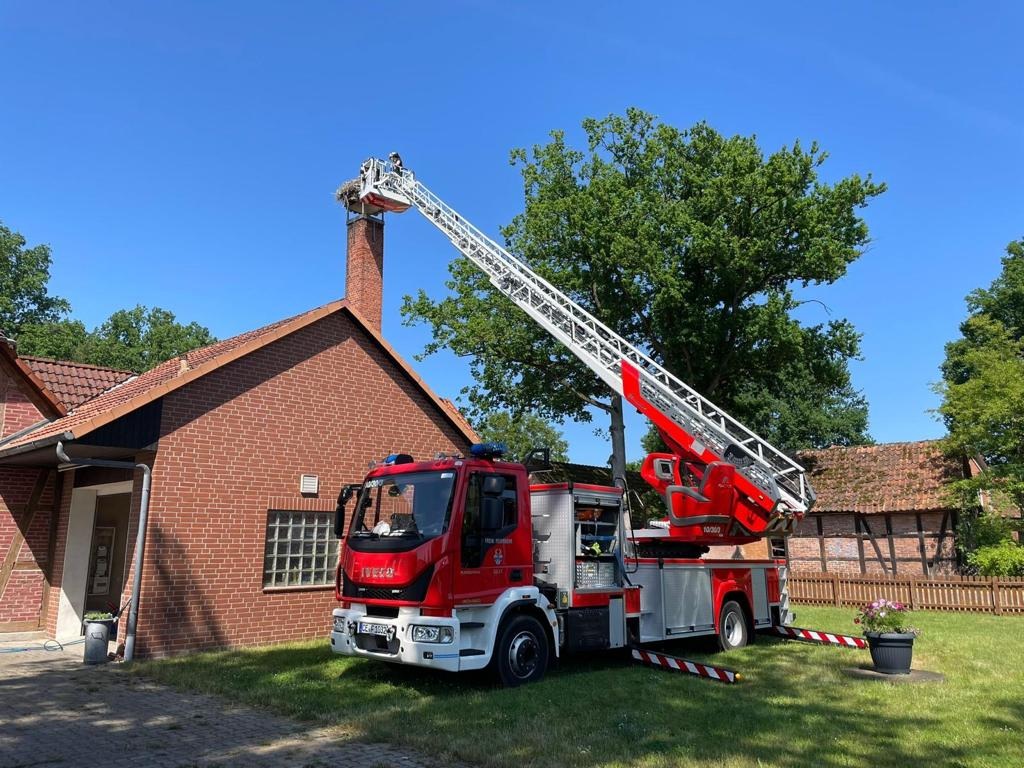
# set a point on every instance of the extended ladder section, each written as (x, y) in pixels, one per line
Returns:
(691, 424)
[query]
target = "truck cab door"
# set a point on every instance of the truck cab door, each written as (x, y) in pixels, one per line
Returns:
(491, 556)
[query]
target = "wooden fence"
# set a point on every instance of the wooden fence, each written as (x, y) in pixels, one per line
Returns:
(943, 593)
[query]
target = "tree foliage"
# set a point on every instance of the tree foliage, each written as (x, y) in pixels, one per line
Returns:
(130, 339)
(60, 340)
(1003, 559)
(24, 275)
(690, 245)
(522, 433)
(978, 530)
(982, 385)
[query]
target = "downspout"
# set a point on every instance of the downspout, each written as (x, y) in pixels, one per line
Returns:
(140, 540)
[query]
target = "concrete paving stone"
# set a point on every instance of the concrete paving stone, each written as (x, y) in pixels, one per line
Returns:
(55, 712)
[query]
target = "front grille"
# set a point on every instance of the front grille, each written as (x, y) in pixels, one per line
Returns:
(374, 593)
(377, 644)
(413, 593)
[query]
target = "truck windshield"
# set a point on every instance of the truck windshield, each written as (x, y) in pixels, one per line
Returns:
(417, 505)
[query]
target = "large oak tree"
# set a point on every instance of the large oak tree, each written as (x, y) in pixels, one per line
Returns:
(692, 245)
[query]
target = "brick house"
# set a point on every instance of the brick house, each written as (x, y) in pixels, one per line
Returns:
(881, 509)
(249, 441)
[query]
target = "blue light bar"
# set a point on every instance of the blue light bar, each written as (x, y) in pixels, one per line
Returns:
(487, 450)
(398, 458)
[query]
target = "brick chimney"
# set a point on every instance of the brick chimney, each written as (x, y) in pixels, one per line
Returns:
(364, 262)
(364, 267)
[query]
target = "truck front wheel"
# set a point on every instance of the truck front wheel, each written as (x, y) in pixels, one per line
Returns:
(521, 655)
(732, 626)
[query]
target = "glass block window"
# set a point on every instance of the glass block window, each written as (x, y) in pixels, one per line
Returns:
(301, 550)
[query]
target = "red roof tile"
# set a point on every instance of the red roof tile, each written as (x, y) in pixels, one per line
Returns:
(33, 386)
(74, 383)
(154, 383)
(133, 393)
(453, 409)
(892, 477)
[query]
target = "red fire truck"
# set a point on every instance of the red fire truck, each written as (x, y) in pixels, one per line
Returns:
(459, 563)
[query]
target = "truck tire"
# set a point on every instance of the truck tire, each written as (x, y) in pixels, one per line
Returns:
(521, 654)
(732, 626)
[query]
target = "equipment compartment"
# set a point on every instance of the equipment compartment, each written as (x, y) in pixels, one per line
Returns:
(577, 533)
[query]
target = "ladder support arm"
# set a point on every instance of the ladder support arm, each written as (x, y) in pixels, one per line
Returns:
(699, 429)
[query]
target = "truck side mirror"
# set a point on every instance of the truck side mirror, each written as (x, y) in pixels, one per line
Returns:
(494, 485)
(492, 507)
(339, 511)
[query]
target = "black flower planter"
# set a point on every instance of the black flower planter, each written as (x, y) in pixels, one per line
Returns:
(891, 652)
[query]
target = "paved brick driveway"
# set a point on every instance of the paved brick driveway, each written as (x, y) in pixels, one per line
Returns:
(55, 711)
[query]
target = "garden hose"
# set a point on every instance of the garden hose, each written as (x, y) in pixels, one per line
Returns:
(49, 645)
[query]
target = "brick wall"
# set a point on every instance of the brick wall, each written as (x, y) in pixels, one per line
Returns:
(877, 544)
(19, 412)
(325, 401)
(66, 482)
(16, 410)
(24, 546)
(21, 599)
(364, 268)
(758, 550)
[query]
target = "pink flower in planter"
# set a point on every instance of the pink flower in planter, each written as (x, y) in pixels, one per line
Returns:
(883, 615)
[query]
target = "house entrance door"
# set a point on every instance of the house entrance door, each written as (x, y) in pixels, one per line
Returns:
(107, 554)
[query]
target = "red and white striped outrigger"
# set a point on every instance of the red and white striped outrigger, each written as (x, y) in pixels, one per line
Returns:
(664, 661)
(825, 638)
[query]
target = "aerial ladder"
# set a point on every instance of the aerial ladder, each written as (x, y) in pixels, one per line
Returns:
(722, 483)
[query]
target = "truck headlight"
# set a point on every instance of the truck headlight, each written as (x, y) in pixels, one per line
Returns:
(339, 623)
(428, 634)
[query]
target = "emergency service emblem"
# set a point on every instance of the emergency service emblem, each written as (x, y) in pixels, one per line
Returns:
(498, 556)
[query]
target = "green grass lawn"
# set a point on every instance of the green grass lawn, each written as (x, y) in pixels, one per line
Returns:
(794, 707)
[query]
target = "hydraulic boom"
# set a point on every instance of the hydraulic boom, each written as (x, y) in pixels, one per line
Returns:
(722, 483)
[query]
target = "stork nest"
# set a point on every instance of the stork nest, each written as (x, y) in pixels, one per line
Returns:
(348, 192)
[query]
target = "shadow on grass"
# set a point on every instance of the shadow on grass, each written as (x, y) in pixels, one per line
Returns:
(794, 709)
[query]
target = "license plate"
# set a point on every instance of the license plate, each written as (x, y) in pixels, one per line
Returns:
(366, 628)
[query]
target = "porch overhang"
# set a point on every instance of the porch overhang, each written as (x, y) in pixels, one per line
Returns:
(120, 440)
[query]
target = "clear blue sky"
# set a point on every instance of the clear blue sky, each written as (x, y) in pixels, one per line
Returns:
(184, 154)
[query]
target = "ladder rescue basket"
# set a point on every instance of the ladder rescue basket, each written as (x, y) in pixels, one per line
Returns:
(372, 192)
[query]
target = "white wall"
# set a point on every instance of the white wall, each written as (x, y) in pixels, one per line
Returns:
(76, 564)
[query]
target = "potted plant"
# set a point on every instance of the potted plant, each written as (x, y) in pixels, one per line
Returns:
(889, 634)
(103, 617)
